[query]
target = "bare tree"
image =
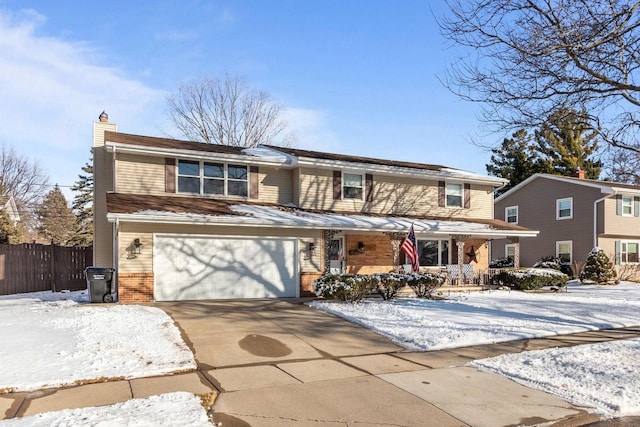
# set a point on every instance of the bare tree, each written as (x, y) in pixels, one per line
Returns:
(226, 112)
(529, 58)
(25, 180)
(623, 166)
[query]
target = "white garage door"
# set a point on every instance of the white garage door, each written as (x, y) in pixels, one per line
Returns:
(192, 268)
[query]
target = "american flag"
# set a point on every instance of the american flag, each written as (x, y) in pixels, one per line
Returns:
(410, 248)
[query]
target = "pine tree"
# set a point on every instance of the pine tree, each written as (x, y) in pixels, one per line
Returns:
(598, 268)
(56, 221)
(83, 206)
(567, 142)
(516, 160)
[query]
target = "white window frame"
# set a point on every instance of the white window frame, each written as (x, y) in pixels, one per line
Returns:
(506, 214)
(624, 251)
(564, 242)
(202, 178)
(630, 206)
(362, 187)
(446, 195)
(558, 202)
(439, 264)
(507, 248)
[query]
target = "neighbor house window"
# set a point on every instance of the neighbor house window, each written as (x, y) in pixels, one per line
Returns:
(629, 252)
(564, 250)
(352, 186)
(212, 178)
(454, 195)
(564, 208)
(433, 252)
(510, 251)
(511, 214)
(627, 206)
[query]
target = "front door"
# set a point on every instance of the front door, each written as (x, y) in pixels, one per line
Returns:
(336, 255)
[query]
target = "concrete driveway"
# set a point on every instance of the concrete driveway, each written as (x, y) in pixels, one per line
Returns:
(280, 363)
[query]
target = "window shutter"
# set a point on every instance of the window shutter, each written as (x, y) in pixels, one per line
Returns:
(170, 175)
(441, 193)
(337, 185)
(619, 204)
(467, 196)
(636, 206)
(368, 180)
(253, 181)
(618, 255)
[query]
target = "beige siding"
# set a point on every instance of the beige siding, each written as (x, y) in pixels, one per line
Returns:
(276, 185)
(537, 211)
(137, 174)
(391, 195)
(144, 262)
(295, 183)
(618, 225)
(103, 182)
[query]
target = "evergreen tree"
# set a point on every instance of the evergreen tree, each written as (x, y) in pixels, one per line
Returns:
(566, 142)
(515, 160)
(598, 268)
(83, 206)
(9, 232)
(56, 221)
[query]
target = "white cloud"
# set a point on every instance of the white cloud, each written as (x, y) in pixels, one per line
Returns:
(52, 91)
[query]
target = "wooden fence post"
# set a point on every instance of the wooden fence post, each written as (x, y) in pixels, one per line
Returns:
(52, 266)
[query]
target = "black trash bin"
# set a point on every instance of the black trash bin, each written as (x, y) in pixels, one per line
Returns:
(99, 282)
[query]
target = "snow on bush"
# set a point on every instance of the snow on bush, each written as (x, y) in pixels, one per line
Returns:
(598, 268)
(425, 284)
(389, 284)
(344, 287)
(532, 278)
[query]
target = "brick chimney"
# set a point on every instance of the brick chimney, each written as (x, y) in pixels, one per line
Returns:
(578, 174)
(104, 117)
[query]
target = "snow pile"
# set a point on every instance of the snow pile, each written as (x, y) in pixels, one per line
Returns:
(50, 340)
(171, 409)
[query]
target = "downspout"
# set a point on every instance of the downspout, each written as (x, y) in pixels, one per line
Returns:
(116, 239)
(595, 217)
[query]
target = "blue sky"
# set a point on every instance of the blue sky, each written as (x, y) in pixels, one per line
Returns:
(356, 77)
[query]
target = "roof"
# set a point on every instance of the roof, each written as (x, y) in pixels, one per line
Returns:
(604, 186)
(289, 157)
(194, 210)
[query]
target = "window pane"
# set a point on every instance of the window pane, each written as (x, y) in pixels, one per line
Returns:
(237, 188)
(512, 215)
(428, 250)
(188, 185)
(352, 180)
(214, 170)
(188, 168)
(237, 172)
(454, 195)
(352, 193)
(632, 252)
(454, 189)
(564, 208)
(213, 186)
(627, 206)
(455, 201)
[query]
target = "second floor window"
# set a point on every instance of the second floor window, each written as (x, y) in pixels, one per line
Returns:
(352, 186)
(627, 206)
(454, 195)
(564, 208)
(212, 178)
(511, 214)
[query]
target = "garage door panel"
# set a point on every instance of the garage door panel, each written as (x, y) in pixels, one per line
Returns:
(188, 268)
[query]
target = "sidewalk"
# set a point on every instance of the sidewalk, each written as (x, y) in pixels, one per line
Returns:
(284, 365)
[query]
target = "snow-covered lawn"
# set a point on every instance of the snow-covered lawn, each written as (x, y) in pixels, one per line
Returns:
(51, 339)
(604, 376)
(171, 409)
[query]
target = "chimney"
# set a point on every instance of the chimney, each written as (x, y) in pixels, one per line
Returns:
(103, 117)
(578, 174)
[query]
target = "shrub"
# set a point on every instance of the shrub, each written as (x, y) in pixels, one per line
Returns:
(343, 287)
(389, 284)
(425, 284)
(531, 278)
(501, 263)
(598, 268)
(551, 262)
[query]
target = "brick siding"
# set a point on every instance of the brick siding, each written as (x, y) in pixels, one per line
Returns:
(135, 287)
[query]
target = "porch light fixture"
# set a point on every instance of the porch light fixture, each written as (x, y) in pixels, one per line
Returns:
(361, 246)
(311, 247)
(137, 246)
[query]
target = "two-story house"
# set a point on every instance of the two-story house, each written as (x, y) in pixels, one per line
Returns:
(185, 220)
(573, 216)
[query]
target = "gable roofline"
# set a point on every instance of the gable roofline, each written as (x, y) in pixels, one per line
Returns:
(605, 187)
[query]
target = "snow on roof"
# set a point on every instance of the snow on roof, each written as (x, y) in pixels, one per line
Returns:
(272, 216)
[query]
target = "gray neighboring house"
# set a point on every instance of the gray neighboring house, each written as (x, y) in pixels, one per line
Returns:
(573, 215)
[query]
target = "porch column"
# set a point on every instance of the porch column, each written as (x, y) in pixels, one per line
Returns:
(516, 255)
(328, 235)
(460, 245)
(396, 239)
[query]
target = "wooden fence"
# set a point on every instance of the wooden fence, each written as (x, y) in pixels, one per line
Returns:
(32, 267)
